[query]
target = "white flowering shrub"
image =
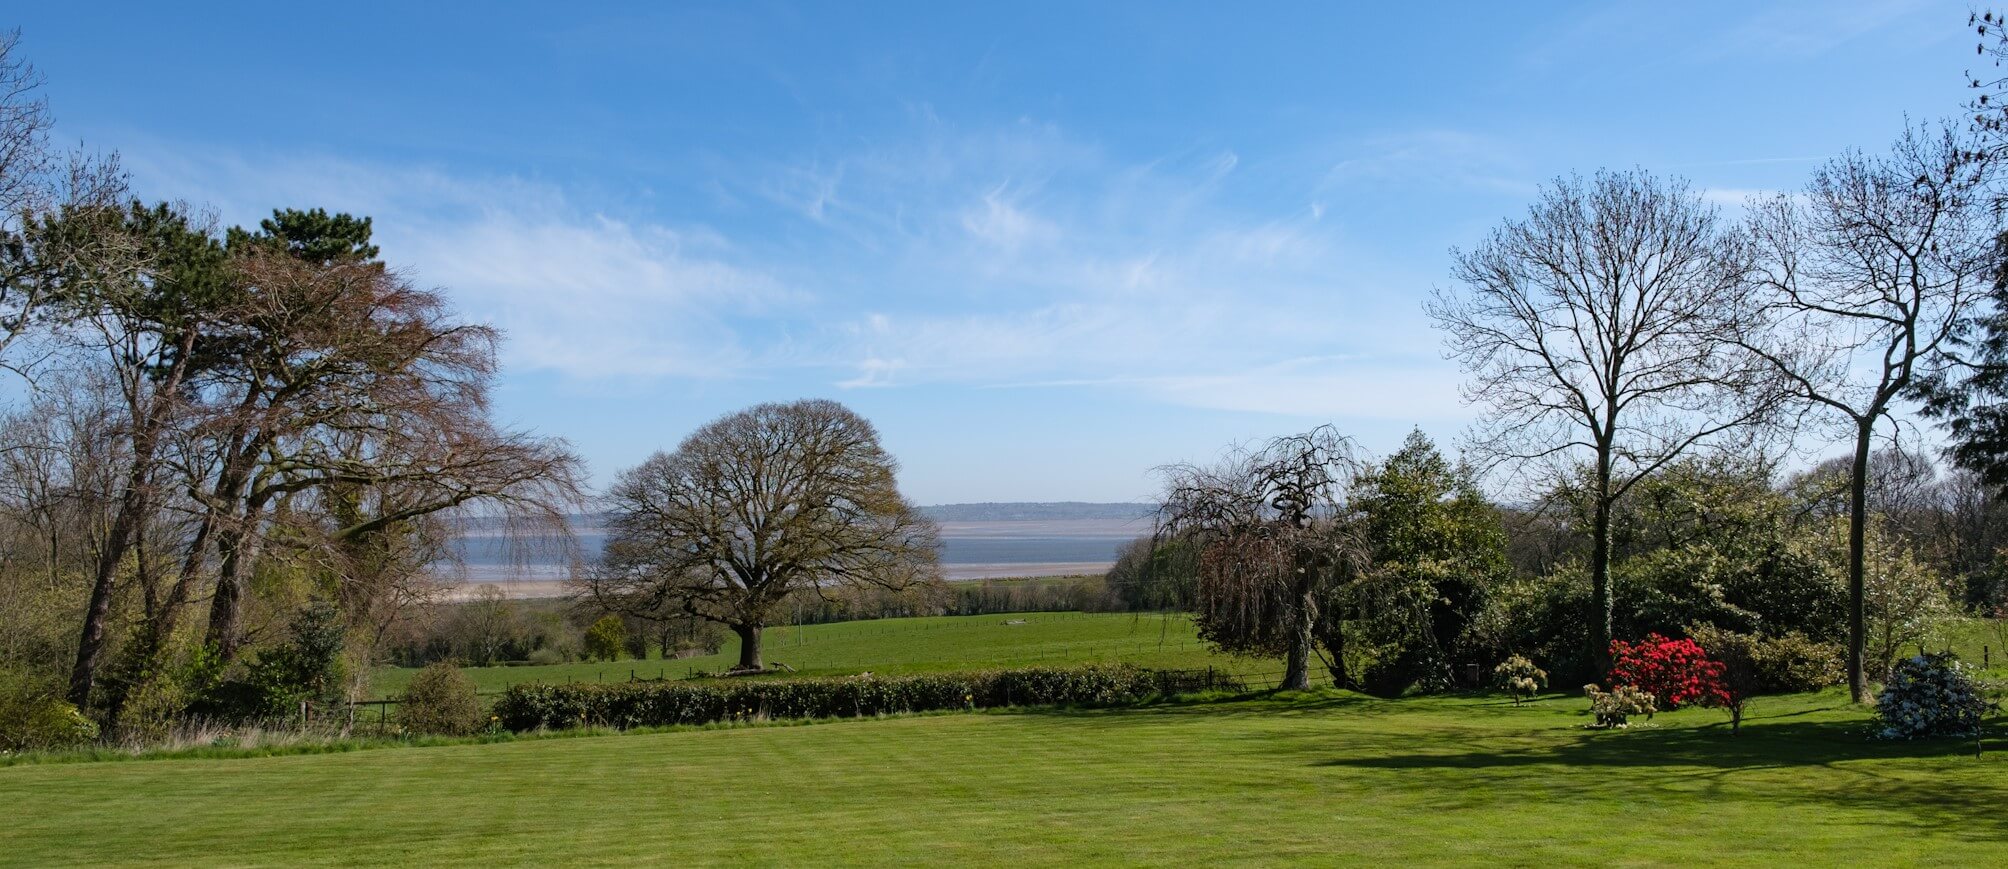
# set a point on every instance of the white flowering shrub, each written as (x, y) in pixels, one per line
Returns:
(1614, 708)
(1929, 695)
(1519, 677)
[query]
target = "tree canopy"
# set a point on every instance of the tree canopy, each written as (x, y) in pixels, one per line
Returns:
(753, 506)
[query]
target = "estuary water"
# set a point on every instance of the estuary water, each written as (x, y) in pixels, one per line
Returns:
(969, 550)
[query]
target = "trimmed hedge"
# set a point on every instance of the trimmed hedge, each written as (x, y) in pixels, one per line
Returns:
(658, 704)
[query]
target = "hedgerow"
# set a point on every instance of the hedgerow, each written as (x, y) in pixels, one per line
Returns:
(658, 704)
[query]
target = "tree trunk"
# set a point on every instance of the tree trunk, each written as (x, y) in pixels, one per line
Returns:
(91, 643)
(749, 646)
(238, 547)
(1600, 573)
(126, 523)
(1297, 667)
(161, 630)
(1334, 637)
(1858, 523)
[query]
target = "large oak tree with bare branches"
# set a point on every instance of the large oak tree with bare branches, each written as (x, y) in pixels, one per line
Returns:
(756, 505)
(1598, 331)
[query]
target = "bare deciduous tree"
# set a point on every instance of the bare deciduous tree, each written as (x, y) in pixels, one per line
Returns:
(24, 163)
(755, 505)
(36, 183)
(1598, 330)
(1864, 281)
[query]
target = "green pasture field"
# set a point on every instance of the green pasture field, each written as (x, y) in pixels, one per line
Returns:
(1982, 643)
(1323, 777)
(931, 644)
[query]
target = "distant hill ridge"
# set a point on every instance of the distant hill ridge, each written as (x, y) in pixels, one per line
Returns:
(1036, 511)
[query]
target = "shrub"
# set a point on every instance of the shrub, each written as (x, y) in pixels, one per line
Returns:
(440, 699)
(1615, 707)
(287, 679)
(605, 639)
(1737, 674)
(549, 655)
(1929, 695)
(1795, 662)
(153, 709)
(1674, 672)
(1518, 677)
(34, 716)
(656, 704)
(1787, 664)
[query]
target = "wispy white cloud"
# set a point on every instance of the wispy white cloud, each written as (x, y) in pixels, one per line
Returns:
(1357, 387)
(997, 221)
(578, 291)
(1007, 255)
(1430, 158)
(1808, 29)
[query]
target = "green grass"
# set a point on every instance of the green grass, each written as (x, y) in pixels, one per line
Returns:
(1982, 643)
(910, 645)
(1320, 777)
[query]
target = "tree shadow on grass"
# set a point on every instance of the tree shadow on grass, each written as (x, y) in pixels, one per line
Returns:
(1783, 762)
(1253, 704)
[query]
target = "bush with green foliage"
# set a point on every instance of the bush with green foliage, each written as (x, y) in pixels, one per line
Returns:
(549, 655)
(606, 639)
(1519, 678)
(302, 673)
(1929, 695)
(1436, 546)
(34, 715)
(1155, 574)
(636, 645)
(1703, 542)
(440, 699)
(655, 704)
(1786, 664)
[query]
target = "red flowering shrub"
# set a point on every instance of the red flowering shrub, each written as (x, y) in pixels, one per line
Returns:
(1674, 672)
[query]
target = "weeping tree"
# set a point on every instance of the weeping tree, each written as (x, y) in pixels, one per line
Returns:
(1272, 543)
(755, 507)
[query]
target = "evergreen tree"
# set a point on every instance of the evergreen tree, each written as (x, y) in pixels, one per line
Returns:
(1435, 545)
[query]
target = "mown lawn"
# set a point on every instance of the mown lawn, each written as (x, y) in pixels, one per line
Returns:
(1322, 777)
(932, 644)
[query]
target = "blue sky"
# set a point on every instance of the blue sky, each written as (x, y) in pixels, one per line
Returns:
(1045, 247)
